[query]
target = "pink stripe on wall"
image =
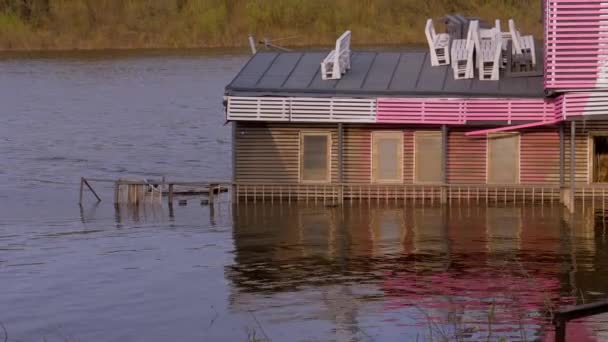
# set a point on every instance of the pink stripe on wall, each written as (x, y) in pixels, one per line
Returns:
(576, 34)
(462, 111)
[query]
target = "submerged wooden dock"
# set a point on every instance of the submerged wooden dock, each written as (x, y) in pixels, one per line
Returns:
(132, 191)
(135, 192)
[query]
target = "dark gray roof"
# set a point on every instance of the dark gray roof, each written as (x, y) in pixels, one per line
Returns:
(387, 73)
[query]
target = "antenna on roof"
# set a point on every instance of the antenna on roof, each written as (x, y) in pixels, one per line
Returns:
(337, 61)
(269, 45)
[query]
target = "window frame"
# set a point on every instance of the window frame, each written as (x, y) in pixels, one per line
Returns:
(395, 134)
(591, 135)
(518, 162)
(301, 152)
(414, 164)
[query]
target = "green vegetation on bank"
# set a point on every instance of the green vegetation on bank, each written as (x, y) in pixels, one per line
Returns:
(100, 24)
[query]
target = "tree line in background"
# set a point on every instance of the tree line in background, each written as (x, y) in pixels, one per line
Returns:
(91, 24)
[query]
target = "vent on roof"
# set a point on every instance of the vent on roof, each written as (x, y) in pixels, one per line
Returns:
(337, 61)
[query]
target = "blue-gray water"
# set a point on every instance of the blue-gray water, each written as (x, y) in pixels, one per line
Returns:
(368, 272)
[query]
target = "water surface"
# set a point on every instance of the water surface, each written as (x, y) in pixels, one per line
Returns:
(284, 272)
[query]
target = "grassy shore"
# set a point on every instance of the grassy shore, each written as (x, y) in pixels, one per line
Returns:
(126, 24)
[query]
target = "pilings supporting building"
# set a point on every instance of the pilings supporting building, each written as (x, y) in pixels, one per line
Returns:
(391, 125)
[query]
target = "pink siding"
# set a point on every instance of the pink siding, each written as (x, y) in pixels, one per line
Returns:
(576, 34)
(461, 111)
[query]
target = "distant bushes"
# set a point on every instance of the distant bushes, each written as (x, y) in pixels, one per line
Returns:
(88, 24)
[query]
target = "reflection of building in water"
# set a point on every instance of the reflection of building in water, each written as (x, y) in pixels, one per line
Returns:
(317, 227)
(430, 237)
(488, 266)
(449, 261)
(503, 231)
(466, 228)
(388, 231)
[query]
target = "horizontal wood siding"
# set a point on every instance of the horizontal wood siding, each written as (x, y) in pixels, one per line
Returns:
(408, 156)
(466, 158)
(270, 153)
(539, 156)
(357, 154)
(266, 154)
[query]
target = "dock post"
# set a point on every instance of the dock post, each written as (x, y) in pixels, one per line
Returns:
(571, 196)
(116, 192)
(340, 163)
(170, 197)
(444, 164)
(81, 189)
(560, 331)
(211, 193)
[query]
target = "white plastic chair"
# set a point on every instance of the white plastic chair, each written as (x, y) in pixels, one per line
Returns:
(506, 36)
(522, 44)
(462, 55)
(337, 61)
(439, 45)
(490, 57)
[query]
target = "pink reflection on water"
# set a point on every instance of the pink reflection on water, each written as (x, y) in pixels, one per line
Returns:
(517, 301)
(575, 331)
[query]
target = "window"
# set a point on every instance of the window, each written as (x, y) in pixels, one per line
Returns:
(503, 159)
(314, 157)
(387, 157)
(427, 157)
(600, 158)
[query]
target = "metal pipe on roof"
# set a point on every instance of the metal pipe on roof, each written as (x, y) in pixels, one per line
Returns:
(252, 44)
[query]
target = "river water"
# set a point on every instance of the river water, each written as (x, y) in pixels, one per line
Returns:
(279, 272)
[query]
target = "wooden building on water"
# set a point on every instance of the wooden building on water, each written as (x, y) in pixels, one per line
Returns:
(393, 126)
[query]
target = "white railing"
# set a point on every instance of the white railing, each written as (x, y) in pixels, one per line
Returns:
(301, 109)
(433, 111)
(581, 104)
(258, 108)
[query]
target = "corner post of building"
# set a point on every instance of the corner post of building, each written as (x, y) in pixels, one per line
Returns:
(572, 166)
(340, 163)
(444, 164)
(234, 186)
(562, 157)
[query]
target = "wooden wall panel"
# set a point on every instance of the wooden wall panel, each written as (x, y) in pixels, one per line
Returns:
(270, 153)
(408, 156)
(539, 156)
(466, 158)
(357, 154)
